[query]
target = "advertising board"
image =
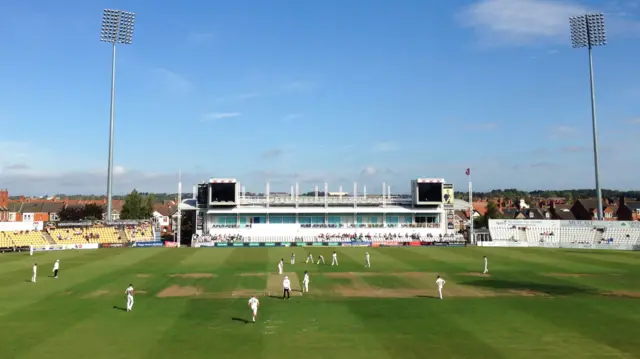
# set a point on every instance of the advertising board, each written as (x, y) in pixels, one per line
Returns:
(147, 244)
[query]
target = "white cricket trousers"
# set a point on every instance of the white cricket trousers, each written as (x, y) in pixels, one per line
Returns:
(33, 277)
(306, 286)
(279, 270)
(309, 259)
(486, 270)
(334, 261)
(440, 292)
(129, 303)
(367, 263)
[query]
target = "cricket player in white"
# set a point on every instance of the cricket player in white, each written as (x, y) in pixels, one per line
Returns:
(305, 282)
(321, 259)
(280, 266)
(367, 260)
(310, 258)
(35, 273)
(56, 268)
(30, 250)
(286, 288)
(440, 282)
(486, 268)
(129, 293)
(334, 259)
(254, 303)
(293, 258)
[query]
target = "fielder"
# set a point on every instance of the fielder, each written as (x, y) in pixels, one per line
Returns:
(440, 282)
(367, 260)
(254, 303)
(334, 259)
(320, 258)
(129, 293)
(305, 282)
(280, 266)
(486, 268)
(286, 288)
(293, 258)
(310, 258)
(56, 268)
(35, 273)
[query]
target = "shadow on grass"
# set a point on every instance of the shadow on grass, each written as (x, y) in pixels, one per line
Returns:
(119, 308)
(427, 296)
(236, 319)
(550, 289)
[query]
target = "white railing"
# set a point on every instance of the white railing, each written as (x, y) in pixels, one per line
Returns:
(306, 200)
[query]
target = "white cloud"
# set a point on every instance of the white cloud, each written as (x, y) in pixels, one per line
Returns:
(173, 81)
(385, 146)
(236, 98)
(368, 171)
(221, 115)
(200, 37)
(482, 126)
(634, 121)
(292, 116)
(519, 22)
(561, 131)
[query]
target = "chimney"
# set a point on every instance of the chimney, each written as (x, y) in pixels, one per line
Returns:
(21, 198)
(622, 201)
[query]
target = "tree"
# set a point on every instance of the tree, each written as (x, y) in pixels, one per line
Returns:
(92, 212)
(492, 211)
(137, 207)
(69, 214)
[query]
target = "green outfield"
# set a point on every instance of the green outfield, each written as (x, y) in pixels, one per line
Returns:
(192, 303)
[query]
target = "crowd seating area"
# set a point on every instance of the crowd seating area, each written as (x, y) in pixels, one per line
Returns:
(541, 234)
(75, 235)
(85, 235)
(330, 237)
(141, 233)
(22, 238)
(351, 225)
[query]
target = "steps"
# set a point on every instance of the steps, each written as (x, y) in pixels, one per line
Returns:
(48, 237)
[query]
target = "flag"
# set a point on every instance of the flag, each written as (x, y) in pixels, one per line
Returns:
(468, 172)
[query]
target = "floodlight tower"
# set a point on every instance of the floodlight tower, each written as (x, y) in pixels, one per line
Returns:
(588, 31)
(117, 28)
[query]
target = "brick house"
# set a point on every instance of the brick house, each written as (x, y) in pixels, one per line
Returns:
(628, 210)
(4, 205)
(587, 210)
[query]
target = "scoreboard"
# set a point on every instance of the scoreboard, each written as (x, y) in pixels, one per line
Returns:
(218, 192)
(432, 192)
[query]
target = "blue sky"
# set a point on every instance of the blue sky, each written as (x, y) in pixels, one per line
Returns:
(301, 91)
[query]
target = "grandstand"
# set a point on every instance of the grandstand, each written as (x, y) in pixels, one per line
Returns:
(555, 233)
(98, 235)
(20, 238)
(140, 233)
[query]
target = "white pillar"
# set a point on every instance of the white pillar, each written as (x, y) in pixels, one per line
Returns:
(355, 194)
(326, 193)
(364, 192)
(267, 194)
(389, 192)
(384, 189)
(316, 193)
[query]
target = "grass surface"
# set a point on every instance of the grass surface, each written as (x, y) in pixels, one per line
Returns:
(192, 303)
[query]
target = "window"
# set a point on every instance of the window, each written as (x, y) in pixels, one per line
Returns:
(12, 217)
(608, 215)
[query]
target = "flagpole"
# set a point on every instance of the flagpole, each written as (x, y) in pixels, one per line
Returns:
(471, 239)
(178, 235)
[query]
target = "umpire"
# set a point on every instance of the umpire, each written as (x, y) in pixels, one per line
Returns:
(286, 288)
